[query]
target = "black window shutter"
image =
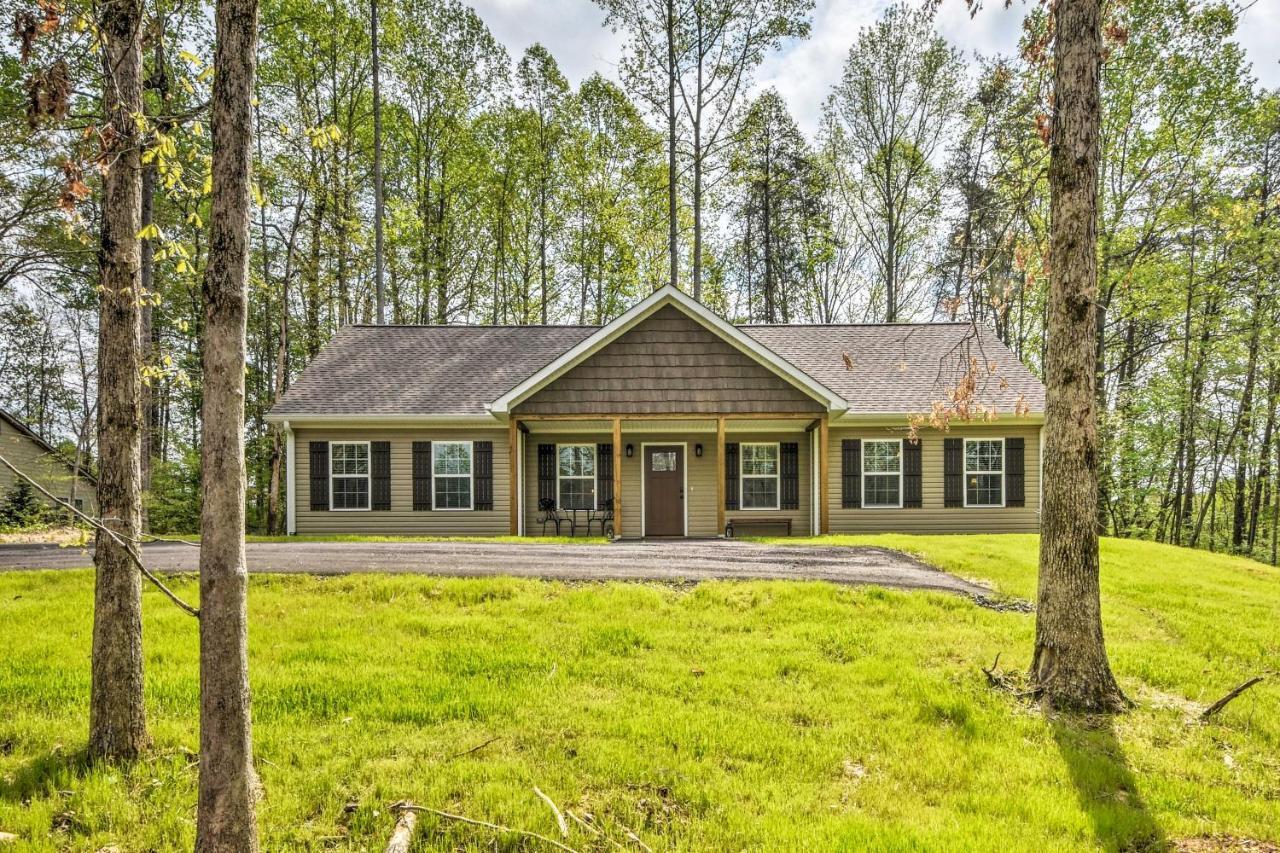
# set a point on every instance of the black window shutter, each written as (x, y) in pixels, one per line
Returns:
(604, 473)
(953, 472)
(421, 476)
(789, 468)
(1015, 472)
(319, 476)
(380, 475)
(912, 475)
(482, 453)
(731, 493)
(851, 473)
(546, 473)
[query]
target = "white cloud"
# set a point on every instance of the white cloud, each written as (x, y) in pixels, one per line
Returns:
(804, 71)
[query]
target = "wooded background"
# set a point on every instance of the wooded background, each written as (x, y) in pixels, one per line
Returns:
(513, 197)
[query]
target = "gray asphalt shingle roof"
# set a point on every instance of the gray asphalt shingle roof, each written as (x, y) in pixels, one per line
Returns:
(422, 370)
(457, 370)
(903, 367)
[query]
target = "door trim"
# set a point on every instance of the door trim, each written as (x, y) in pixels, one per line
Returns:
(684, 472)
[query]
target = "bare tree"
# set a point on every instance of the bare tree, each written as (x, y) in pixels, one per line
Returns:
(225, 816)
(1070, 667)
(651, 68)
(895, 102)
(726, 40)
(117, 715)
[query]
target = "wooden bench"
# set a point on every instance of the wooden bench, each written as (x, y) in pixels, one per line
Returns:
(736, 523)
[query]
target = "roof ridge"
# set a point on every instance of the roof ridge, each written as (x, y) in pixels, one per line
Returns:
(470, 326)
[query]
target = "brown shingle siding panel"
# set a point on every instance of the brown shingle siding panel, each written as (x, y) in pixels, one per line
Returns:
(668, 363)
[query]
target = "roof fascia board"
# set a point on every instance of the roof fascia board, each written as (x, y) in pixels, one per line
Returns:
(899, 419)
(668, 295)
(375, 419)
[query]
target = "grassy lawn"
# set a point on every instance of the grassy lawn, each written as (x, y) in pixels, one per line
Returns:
(763, 715)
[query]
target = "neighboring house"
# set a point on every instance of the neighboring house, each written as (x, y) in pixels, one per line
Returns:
(40, 461)
(692, 422)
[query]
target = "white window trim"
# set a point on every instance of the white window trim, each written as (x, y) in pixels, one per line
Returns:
(595, 475)
(471, 478)
(866, 473)
(1004, 491)
(368, 476)
(776, 476)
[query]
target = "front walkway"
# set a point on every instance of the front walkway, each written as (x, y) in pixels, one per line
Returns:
(673, 561)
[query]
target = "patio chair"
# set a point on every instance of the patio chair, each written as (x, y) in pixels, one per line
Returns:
(551, 515)
(602, 516)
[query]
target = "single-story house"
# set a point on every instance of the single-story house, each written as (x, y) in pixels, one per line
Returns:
(42, 462)
(680, 421)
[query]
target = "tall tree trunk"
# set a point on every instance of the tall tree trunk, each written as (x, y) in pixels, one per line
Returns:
(117, 716)
(379, 287)
(225, 816)
(1070, 667)
(672, 231)
(1238, 518)
(146, 332)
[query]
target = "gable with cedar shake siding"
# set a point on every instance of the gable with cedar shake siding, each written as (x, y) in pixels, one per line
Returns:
(455, 430)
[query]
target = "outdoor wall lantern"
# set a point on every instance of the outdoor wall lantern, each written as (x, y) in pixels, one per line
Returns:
(697, 450)
(630, 450)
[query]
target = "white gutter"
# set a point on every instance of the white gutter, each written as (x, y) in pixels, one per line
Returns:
(900, 419)
(291, 498)
(375, 419)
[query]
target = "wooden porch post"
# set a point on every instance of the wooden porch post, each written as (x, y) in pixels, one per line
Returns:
(617, 477)
(824, 479)
(720, 476)
(513, 449)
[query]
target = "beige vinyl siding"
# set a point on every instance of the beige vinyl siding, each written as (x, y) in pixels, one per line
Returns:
(933, 517)
(402, 519)
(47, 470)
(700, 493)
(668, 363)
(800, 518)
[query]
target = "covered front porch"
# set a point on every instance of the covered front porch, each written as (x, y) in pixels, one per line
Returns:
(670, 475)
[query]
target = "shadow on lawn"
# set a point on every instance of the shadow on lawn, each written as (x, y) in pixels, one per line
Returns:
(1105, 785)
(42, 774)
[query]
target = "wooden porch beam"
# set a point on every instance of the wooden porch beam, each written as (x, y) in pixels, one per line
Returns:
(824, 477)
(513, 476)
(675, 416)
(720, 471)
(617, 477)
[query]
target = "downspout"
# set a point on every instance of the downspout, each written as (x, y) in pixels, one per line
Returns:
(291, 500)
(1040, 478)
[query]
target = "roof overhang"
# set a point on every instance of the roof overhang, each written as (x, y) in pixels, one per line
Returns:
(376, 419)
(659, 299)
(899, 419)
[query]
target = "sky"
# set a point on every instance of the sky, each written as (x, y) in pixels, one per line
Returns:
(804, 71)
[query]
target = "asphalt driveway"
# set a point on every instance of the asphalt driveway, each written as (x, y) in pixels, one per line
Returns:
(667, 561)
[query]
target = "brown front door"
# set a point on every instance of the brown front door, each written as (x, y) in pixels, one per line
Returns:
(664, 490)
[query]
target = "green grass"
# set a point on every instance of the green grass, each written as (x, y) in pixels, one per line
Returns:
(719, 716)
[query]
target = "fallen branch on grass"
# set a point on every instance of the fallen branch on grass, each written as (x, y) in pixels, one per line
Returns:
(475, 748)
(496, 827)
(1001, 680)
(402, 837)
(123, 541)
(555, 810)
(1225, 700)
